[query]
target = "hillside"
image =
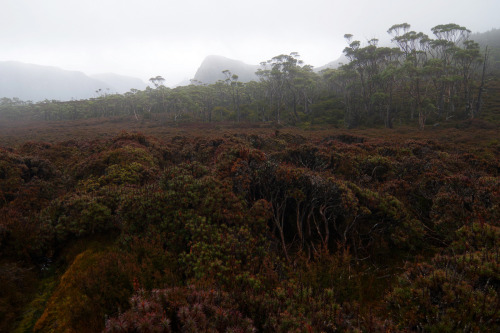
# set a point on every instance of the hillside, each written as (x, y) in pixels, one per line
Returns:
(120, 83)
(333, 64)
(210, 70)
(492, 40)
(38, 83)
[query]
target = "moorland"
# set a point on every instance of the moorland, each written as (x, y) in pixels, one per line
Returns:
(240, 226)
(365, 198)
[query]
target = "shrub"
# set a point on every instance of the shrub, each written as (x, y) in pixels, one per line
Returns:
(184, 309)
(455, 291)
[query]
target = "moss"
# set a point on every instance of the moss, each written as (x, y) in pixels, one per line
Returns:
(82, 297)
(33, 311)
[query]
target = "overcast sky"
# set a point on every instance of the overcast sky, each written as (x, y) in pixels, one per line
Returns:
(145, 38)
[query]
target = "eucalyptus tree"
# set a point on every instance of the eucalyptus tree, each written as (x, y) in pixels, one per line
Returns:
(414, 47)
(450, 38)
(157, 81)
(131, 98)
(439, 73)
(223, 99)
(16, 108)
(272, 79)
(387, 80)
(206, 97)
(267, 90)
(288, 83)
(255, 93)
(356, 56)
(234, 90)
(287, 69)
(467, 61)
(374, 71)
(477, 108)
(344, 81)
(306, 83)
(144, 102)
(180, 102)
(159, 94)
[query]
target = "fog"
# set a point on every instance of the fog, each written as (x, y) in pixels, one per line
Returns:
(171, 38)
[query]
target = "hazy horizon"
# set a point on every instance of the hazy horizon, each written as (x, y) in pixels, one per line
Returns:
(171, 39)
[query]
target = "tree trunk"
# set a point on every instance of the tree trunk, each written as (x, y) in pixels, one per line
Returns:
(421, 119)
(481, 87)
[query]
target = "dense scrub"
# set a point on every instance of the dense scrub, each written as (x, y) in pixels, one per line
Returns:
(248, 230)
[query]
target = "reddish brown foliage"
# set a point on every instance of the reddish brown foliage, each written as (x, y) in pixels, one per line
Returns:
(304, 231)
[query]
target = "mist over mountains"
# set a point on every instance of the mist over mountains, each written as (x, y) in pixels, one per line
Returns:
(30, 82)
(36, 83)
(210, 70)
(120, 83)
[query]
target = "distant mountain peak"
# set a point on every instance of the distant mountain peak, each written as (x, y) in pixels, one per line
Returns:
(210, 70)
(38, 82)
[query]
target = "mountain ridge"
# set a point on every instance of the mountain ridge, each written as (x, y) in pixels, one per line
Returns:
(39, 82)
(210, 70)
(120, 83)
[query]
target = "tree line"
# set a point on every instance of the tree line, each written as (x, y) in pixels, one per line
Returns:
(418, 80)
